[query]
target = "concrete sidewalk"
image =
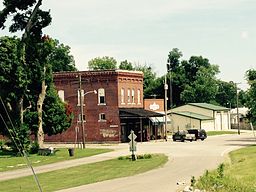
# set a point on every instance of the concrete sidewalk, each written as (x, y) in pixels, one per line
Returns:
(65, 164)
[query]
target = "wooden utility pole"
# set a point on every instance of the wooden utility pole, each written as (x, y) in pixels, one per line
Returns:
(165, 107)
(82, 110)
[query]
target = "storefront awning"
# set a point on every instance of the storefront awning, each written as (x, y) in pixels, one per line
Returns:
(137, 113)
(160, 120)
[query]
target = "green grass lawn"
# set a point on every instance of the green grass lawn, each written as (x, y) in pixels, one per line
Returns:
(10, 162)
(238, 175)
(85, 174)
(211, 133)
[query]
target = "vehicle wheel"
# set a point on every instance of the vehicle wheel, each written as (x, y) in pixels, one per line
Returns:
(202, 139)
(182, 140)
(174, 139)
(191, 140)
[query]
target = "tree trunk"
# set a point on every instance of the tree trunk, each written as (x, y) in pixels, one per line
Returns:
(40, 101)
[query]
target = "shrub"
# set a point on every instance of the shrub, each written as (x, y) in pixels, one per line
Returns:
(34, 148)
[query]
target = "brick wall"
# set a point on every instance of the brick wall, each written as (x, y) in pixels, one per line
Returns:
(111, 81)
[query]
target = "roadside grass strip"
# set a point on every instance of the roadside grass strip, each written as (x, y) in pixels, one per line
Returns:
(238, 175)
(85, 174)
(212, 133)
(9, 162)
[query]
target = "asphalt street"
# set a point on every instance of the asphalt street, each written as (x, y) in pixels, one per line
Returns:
(186, 159)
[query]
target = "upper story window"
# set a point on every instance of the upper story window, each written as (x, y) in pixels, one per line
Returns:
(133, 98)
(78, 97)
(101, 96)
(138, 94)
(102, 117)
(129, 96)
(122, 96)
(61, 95)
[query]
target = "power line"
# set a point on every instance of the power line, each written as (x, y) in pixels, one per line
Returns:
(21, 149)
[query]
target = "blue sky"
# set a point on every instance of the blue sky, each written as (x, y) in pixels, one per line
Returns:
(144, 31)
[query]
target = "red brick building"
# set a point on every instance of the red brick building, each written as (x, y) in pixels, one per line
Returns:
(111, 113)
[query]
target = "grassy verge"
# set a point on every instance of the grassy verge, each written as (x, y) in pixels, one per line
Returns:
(239, 175)
(10, 162)
(211, 133)
(85, 174)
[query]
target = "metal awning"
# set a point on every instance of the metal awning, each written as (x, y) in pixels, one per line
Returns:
(137, 113)
(160, 120)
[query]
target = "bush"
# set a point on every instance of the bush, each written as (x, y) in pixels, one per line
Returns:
(34, 148)
(2, 143)
(144, 156)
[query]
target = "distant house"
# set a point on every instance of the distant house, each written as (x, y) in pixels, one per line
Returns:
(200, 115)
(243, 120)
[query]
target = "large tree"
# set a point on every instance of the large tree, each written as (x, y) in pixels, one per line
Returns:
(126, 65)
(226, 94)
(34, 56)
(192, 80)
(251, 94)
(102, 63)
(60, 57)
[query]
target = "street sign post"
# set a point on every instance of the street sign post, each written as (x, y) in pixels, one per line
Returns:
(133, 144)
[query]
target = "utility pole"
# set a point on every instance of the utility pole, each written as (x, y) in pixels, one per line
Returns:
(237, 111)
(82, 109)
(165, 106)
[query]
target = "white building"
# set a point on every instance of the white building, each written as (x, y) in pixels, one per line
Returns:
(200, 115)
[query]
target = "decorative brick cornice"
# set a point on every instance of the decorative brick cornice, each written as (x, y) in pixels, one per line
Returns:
(96, 74)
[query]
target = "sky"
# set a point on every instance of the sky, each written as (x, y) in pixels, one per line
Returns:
(145, 31)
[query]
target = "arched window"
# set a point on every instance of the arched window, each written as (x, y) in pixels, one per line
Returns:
(122, 96)
(139, 101)
(61, 95)
(128, 96)
(133, 98)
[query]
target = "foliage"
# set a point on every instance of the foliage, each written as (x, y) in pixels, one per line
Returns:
(21, 13)
(126, 65)
(149, 79)
(239, 175)
(34, 147)
(193, 80)
(251, 94)
(226, 94)
(57, 115)
(60, 57)
(102, 63)
(22, 71)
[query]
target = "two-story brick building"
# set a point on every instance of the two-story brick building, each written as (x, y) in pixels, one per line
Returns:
(112, 105)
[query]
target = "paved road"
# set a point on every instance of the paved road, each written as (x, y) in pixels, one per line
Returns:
(185, 160)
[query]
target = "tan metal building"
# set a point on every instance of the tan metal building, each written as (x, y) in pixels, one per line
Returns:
(200, 115)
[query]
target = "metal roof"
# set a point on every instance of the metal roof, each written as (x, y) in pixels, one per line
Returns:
(209, 106)
(193, 115)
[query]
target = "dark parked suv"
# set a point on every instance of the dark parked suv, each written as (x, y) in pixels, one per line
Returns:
(182, 136)
(199, 133)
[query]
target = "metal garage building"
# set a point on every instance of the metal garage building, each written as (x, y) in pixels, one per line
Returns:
(200, 115)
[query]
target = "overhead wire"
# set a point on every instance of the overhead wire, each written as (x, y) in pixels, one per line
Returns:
(19, 146)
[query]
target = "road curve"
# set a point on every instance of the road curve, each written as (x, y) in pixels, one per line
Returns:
(185, 160)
